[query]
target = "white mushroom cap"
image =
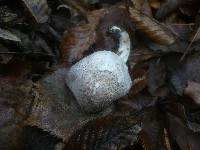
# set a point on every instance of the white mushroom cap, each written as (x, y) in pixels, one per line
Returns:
(99, 79)
(102, 77)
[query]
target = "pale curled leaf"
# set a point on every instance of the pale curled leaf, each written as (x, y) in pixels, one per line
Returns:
(80, 38)
(7, 35)
(151, 28)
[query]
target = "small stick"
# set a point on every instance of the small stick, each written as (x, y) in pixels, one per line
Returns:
(189, 46)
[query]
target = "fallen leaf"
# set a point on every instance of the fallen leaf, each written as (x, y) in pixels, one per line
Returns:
(152, 134)
(178, 130)
(151, 28)
(105, 133)
(15, 104)
(166, 8)
(80, 38)
(154, 3)
(157, 79)
(193, 91)
(56, 110)
(143, 6)
(38, 9)
(170, 6)
(141, 54)
(181, 73)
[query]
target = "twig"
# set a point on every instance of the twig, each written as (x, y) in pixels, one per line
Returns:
(189, 46)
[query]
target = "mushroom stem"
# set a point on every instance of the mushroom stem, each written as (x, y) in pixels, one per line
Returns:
(124, 43)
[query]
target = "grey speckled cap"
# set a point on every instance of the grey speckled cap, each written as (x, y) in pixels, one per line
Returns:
(102, 77)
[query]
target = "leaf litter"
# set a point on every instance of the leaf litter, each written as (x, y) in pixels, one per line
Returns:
(41, 40)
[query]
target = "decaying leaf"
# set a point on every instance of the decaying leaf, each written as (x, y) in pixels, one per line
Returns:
(7, 35)
(178, 130)
(37, 109)
(166, 8)
(80, 38)
(15, 104)
(169, 6)
(7, 15)
(157, 78)
(151, 28)
(181, 73)
(38, 9)
(56, 109)
(4, 58)
(33, 138)
(106, 133)
(77, 5)
(140, 81)
(193, 90)
(143, 6)
(155, 3)
(152, 134)
(141, 54)
(139, 85)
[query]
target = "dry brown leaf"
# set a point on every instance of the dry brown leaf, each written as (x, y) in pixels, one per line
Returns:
(80, 38)
(152, 134)
(154, 3)
(139, 85)
(56, 109)
(184, 138)
(193, 91)
(139, 82)
(151, 28)
(142, 54)
(103, 132)
(143, 6)
(78, 6)
(16, 97)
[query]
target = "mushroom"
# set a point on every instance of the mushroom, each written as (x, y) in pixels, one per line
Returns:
(102, 77)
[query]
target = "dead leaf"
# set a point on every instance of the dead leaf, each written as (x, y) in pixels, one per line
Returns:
(143, 6)
(154, 3)
(141, 54)
(40, 14)
(170, 6)
(157, 79)
(151, 28)
(77, 5)
(152, 134)
(140, 81)
(166, 8)
(80, 38)
(193, 91)
(178, 130)
(181, 73)
(15, 104)
(4, 58)
(105, 133)
(56, 110)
